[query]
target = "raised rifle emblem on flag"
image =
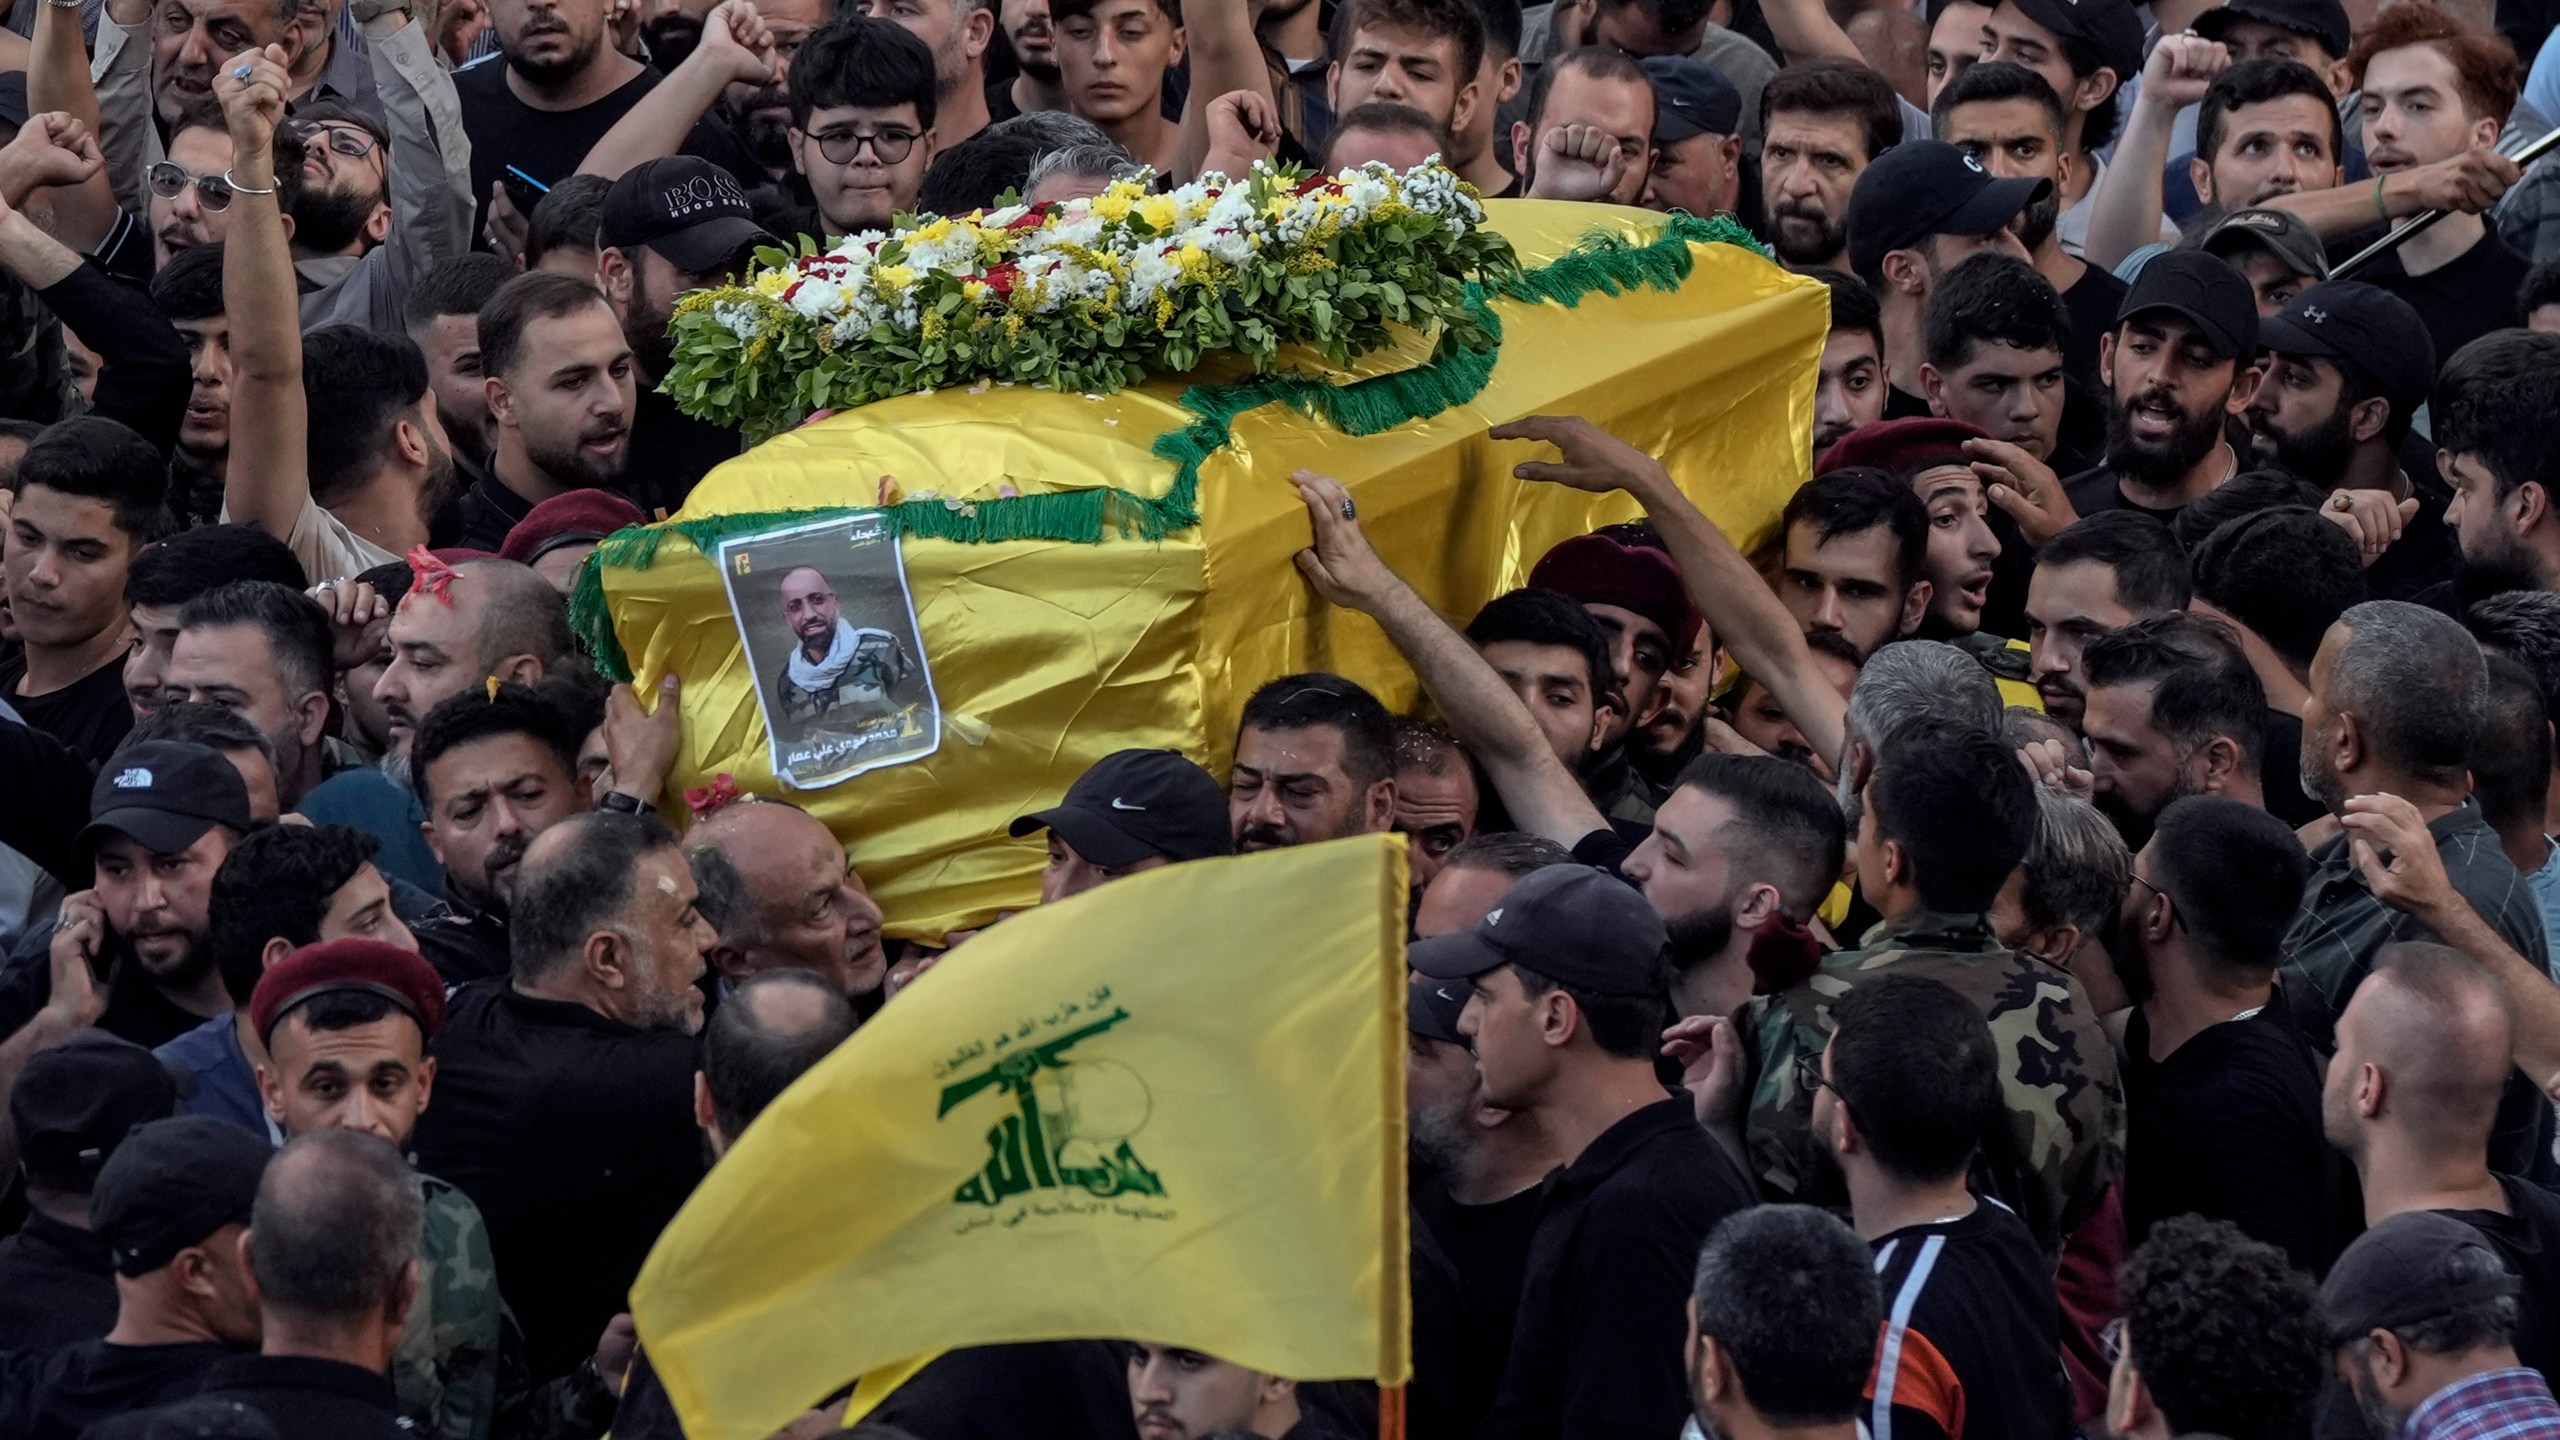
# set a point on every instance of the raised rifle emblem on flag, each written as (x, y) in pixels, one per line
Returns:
(1066, 1113)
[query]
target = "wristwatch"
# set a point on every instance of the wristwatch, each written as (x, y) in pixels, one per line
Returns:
(365, 10)
(622, 804)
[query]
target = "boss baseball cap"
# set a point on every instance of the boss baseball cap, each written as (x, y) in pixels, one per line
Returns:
(1134, 805)
(1571, 923)
(688, 210)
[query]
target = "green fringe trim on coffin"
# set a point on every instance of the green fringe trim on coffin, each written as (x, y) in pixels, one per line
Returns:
(1606, 264)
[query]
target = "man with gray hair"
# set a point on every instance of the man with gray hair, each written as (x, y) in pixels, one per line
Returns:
(2422, 1319)
(1077, 172)
(2396, 696)
(1902, 684)
(333, 1260)
(2058, 903)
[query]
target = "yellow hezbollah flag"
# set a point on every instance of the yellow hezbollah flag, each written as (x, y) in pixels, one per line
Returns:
(1170, 1109)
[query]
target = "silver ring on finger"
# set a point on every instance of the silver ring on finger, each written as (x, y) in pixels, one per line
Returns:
(1349, 510)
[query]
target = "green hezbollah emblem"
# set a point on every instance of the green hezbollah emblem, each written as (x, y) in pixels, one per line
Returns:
(1066, 1113)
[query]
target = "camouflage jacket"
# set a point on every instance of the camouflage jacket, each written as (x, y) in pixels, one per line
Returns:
(446, 1369)
(2065, 1140)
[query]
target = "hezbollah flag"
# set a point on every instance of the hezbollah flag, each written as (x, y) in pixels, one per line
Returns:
(1170, 1109)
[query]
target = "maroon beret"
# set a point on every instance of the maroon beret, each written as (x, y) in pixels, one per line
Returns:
(578, 516)
(1600, 570)
(1899, 447)
(337, 967)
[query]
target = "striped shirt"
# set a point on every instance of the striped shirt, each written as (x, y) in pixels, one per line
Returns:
(1972, 1346)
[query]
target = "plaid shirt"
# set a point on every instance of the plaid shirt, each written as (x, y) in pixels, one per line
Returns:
(2494, 1405)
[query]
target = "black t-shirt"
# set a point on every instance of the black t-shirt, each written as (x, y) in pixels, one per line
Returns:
(1608, 1280)
(2461, 301)
(488, 510)
(2096, 489)
(2228, 1127)
(670, 453)
(2529, 1237)
(1972, 1331)
(549, 144)
(2425, 555)
(1901, 404)
(1489, 1245)
(2280, 771)
(57, 1286)
(464, 947)
(88, 716)
(303, 1397)
(2091, 302)
(574, 1135)
(1055, 1389)
(66, 1392)
(137, 1010)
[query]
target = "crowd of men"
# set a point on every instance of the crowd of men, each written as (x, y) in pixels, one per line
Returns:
(2057, 940)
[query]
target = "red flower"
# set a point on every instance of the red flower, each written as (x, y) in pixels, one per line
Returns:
(1032, 219)
(1001, 278)
(719, 794)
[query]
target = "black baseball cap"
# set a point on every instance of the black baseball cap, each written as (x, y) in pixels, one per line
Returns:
(2280, 233)
(2322, 20)
(2112, 28)
(2205, 292)
(172, 1183)
(2396, 1274)
(74, 1103)
(1134, 805)
(2364, 326)
(1691, 97)
(1571, 923)
(1431, 1009)
(1921, 188)
(688, 210)
(165, 794)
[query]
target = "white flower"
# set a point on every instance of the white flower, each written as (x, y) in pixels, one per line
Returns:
(820, 300)
(738, 319)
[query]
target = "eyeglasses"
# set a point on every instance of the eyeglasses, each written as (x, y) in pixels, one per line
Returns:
(2174, 917)
(1809, 1077)
(169, 180)
(891, 144)
(345, 139)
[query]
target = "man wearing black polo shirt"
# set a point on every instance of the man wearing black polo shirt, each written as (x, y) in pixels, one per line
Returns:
(2221, 1088)
(1916, 213)
(564, 1096)
(1569, 974)
(2177, 373)
(1972, 1346)
(2352, 365)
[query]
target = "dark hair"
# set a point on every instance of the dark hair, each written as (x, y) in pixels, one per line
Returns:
(1988, 81)
(171, 572)
(200, 722)
(576, 885)
(747, 1064)
(390, 580)
(1455, 21)
(1671, 17)
(359, 384)
(1533, 616)
(2524, 626)
(1501, 20)
(94, 458)
(2255, 82)
(2204, 685)
(2485, 64)
(2086, 59)
(2494, 401)
(1506, 852)
(974, 173)
(295, 628)
(2415, 679)
(2224, 1331)
(1789, 1294)
(1301, 702)
(314, 111)
(1787, 827)
(2150, 569)
(476, 715)
(856, 60)
(1963, 811)
(1853, 305)
(459, 286)
(2220, 861)
(1838, 87)
(1628, 1027)
(1599, 62)
(1916, 1066)
(2243, 494)
(2541, 287)
(1071, 9)
(337, 1223)
(1991, 299)
(188, 285)
(276, 884)
(570, 217)
(284, 151)
(2511, 758)
(1859, 498)
(1383, 117)
(2286, 573)
(534, 295)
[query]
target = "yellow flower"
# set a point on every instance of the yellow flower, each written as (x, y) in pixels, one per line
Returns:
(772, 283)
(1161, 212)
(1113, 206)
(976, 290)
(934, 232)
(1191, 258)
(894, 279)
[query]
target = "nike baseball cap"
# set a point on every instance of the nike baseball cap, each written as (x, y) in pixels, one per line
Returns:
(1135, 805)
